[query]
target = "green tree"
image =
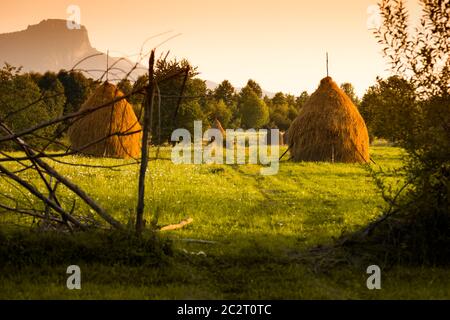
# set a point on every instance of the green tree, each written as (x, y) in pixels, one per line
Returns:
(279, 99)
(252, 84)
(22, 106)
(349, 90)
(292, 112)
(416, 226)
(282, 109)
(125, 86)
(390, 109)
(77, 89)
(53, 92)
(189, 112)
(137, 100)
(220, 111)
(225, 92)
(253, 110)
(301, 100)
(279, 111)
(193, 102)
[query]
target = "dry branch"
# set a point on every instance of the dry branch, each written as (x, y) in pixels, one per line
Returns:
(40, 196)
(144, 151)
(69, 184)
(177, 226)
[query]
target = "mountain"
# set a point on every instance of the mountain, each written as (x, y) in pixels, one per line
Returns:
(51, 46)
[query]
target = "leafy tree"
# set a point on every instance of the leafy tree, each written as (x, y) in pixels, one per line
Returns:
(349, 90)
(193, 102)
(290, 99)
(390, 109)
(253, 110)
(53, 92)
(252, 84)
(220, 111)
(125, 86)
(282, 109)
(225, 92)
(280, 120)
(292, 112)
(21, 106)
(416, 227)
(301, 100)
(189, 112)
(279, 99)
(278, 111)
(77, 89)
(137, 100)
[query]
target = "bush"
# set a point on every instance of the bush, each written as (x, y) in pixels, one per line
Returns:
(416, 227)
(22, 106)
(24, 248)
(253, 110)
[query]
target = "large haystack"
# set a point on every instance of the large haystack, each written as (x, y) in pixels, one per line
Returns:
(87, 134)
(329, 128)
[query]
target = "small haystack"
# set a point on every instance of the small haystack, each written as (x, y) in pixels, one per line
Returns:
(329, 128)
(218, 125)
(280, 138)
(117, 121)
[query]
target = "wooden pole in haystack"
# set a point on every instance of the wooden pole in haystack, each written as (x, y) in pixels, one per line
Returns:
(148, 111)
(327, 66)
(107, 66)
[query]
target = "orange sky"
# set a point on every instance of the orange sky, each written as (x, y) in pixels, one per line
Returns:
(279, 43)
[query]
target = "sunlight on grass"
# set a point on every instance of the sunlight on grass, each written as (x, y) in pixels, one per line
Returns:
(259, 224)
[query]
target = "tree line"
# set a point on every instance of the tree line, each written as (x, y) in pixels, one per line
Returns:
(389, 107)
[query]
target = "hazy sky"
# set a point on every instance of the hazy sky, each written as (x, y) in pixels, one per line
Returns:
(279, 43)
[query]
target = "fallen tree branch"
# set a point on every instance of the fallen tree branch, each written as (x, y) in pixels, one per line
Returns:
(197, 241)
(31, 213)
(66, 182)
(40, 196)
(177, 226)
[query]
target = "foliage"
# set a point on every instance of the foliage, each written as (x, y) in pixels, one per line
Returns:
(282, 110)
(255, 87)
(416, 227)
(301, 100)
(77, 89)
(220, 111)
(23, 105)
(252, 109)
(20, 248)
(226, 92)
(166, 117)
(390, 109)
(349, 90)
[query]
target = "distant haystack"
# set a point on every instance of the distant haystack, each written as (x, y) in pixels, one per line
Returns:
(281, 135)
(117, 122)
(217, 125)
(329, 128)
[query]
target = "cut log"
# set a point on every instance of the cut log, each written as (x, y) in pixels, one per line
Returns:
(197, 241)
(180, 225)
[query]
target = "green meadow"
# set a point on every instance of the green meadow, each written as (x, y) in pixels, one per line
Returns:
(252, 236)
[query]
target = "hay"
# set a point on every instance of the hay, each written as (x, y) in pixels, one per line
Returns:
(329, 128)
(218, 125)
(280, 138)
(117, 118)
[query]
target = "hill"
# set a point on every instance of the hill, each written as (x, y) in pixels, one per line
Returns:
(51, 46)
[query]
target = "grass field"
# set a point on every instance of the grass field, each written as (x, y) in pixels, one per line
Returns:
(261, 226)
